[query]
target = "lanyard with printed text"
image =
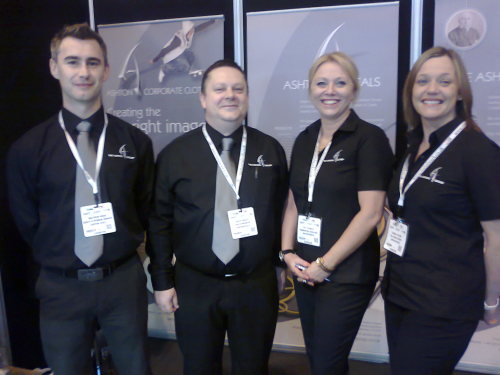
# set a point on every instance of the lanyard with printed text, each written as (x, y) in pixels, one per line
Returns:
(434, 156)
(315, 167)
(239, 173)
(100, 151)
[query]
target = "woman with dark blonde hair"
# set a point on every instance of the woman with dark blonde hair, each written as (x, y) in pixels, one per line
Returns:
(443, 267)
(340, 169)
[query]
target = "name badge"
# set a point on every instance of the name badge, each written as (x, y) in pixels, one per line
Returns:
(309, 230)
(98, 220)
(397, 234)
(242, 223)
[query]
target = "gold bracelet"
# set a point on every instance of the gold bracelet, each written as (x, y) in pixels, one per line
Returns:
(321, 265)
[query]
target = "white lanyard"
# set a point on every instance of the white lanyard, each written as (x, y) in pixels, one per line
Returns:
(222, 167)
(316, 166)
(100, 151)
(434, 156)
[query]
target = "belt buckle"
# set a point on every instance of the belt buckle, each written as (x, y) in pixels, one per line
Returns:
(93, 274)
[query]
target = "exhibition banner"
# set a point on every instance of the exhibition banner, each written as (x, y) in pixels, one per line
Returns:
(156, 71)
(281, 47)
(472, 29)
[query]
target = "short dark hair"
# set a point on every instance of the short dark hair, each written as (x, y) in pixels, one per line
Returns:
(80, 31)
(220, 64)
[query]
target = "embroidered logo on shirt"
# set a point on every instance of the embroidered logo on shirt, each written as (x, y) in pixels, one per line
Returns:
(433, 176)
(123, 154)
(336, 158)
(260, 162)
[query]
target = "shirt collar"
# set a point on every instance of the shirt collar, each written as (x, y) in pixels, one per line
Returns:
(96, 120)
(438, 136)
(350, 124)
(217, 137)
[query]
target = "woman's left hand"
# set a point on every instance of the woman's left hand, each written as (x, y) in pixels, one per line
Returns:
(316, 274)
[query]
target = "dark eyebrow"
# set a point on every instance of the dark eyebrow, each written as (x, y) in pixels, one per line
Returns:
(94, 59)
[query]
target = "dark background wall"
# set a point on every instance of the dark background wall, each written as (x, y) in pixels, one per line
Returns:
(30, 95)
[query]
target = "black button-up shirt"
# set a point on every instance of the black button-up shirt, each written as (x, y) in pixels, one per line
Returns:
(41, 175)
(183, 213)
(442, 270)
(359, 159)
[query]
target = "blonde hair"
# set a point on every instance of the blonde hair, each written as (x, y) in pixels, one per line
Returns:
(463, 107)
(345, 62)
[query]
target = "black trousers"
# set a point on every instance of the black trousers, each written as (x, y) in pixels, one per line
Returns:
(330, 315)
(69, 310)
(246, 307)
(424, 344)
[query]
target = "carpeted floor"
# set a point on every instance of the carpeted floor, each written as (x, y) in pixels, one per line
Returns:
(166, 358)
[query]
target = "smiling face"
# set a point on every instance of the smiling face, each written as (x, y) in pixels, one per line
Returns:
(332, 92)
(435, 92)
(81, 71)
(225, 99)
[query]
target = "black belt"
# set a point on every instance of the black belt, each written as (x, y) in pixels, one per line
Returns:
(90, 274)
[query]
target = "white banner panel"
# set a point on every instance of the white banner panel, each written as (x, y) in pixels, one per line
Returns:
(472, 28)
(156, 70)
(281, 47)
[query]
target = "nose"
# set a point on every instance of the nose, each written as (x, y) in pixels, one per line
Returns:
(84, 70)
(433, 87)
(229, 93)
(330, 88)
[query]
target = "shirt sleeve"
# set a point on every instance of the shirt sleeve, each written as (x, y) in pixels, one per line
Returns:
(159, 239)
(144, 183)
(375, 161)
(482, 170)
(279, 203)
(23, 200)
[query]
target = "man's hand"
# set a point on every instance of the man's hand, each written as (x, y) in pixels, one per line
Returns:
(166, 300)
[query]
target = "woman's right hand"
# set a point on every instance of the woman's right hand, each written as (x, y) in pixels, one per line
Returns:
(291, 260)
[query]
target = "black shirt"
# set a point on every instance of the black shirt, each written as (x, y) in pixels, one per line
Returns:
(183, 213)
(42, 175)
(359, 159)
(442, 270)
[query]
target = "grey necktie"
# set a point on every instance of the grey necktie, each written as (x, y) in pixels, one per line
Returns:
(88, 249)
(223, 244)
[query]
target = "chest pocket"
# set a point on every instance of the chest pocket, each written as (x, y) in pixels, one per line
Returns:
(260, 184)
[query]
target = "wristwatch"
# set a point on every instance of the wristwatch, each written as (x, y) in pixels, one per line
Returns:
(283, 253)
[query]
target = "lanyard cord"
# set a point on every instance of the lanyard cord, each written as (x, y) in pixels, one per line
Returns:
(223, 168)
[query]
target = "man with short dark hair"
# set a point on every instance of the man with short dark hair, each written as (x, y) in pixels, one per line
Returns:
(219, 195)
(80, 186)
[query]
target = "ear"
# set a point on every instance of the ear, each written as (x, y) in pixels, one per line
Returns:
(106, 73)
(53, 68)
(203, 101)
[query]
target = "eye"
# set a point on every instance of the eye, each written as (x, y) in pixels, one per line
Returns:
(421, 81)
(341, 83)
(445, 82)
(93, 64)
(239, 90)
(321, 84)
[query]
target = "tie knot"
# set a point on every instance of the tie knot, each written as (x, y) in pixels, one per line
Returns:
(83, 126)
(227, 143)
